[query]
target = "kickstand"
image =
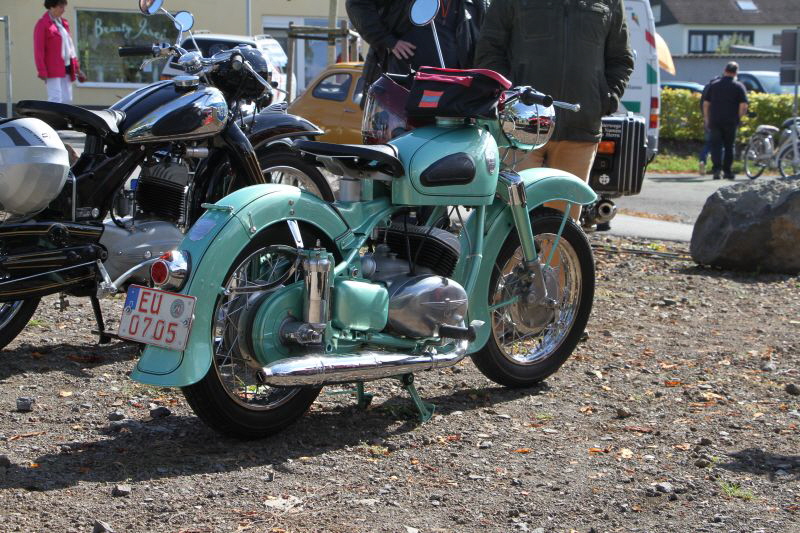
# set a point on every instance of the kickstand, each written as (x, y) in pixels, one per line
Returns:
(363, 398)
(98, 317)
(425, 409)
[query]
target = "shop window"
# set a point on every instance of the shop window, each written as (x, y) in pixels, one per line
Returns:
(98, 34)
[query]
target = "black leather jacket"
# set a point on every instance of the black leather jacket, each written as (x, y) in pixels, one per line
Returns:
(382, 22)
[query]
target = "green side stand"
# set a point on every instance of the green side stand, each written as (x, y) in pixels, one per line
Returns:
(363, 398)
(425, 409)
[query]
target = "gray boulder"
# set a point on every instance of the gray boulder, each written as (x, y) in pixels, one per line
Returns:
(751, 226)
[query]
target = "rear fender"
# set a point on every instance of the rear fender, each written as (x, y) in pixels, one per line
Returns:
(541, 185)
(217, 238)
(267, 128)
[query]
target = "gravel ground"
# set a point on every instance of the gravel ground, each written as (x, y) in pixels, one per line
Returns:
(679, 412)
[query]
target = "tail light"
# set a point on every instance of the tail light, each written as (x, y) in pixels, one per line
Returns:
(171, 270)
(654, 112)
(607, 147)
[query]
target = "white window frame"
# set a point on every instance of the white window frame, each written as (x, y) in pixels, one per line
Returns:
(693, 48)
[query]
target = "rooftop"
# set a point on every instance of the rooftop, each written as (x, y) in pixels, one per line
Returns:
(731, 12)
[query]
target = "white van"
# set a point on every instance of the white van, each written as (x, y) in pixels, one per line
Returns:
(643, 95)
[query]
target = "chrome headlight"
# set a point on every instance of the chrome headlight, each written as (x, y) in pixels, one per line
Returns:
(528, 127)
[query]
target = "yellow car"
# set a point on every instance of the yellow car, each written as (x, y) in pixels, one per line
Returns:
(332, 102)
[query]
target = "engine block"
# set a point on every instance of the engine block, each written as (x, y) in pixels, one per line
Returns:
(162, 191)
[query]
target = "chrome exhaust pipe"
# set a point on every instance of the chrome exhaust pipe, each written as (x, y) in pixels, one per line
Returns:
(316, 370)
(605, 211)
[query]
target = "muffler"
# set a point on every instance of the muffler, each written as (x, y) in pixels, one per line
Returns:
(605, 211)
(316, 370)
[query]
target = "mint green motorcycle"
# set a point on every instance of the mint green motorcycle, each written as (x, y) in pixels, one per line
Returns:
(275, 293)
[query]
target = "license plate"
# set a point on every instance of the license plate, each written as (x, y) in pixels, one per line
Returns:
(158, 318)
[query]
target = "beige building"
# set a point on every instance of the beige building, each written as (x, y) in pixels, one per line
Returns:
(100, 26)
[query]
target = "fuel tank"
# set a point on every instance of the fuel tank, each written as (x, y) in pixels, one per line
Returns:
(447, 164)
(195, 114)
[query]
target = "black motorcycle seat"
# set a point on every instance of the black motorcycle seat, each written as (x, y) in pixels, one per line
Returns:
(69, 117)
(384, 155)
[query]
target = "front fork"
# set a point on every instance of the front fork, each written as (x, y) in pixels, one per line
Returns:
(518, 204)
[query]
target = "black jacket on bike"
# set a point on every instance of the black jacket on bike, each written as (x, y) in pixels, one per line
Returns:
(383, 22)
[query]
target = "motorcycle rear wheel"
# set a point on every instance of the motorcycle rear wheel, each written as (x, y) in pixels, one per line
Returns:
(14, 316)
(284, 165)
(520, 354)
(229, 398)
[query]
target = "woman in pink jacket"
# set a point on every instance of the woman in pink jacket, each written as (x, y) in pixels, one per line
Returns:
(55, 54)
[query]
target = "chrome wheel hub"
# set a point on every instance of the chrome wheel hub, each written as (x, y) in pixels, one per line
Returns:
(251, 282)
(526, 328)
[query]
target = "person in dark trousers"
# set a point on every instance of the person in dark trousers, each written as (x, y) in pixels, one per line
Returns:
(574, 50)
(706, 134)
(397, 46)
(724, 104)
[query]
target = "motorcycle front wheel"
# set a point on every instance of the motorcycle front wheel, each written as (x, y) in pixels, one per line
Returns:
(283, 165)
(786, 162)
(755, 157)
(230, 399)
(14, 316)
(529, 342)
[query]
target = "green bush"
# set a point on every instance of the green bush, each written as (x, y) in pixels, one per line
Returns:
(682, 119)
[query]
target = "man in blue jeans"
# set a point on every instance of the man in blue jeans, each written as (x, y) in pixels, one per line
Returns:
(724, 104)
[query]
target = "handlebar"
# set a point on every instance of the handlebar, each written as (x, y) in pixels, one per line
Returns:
(531, 97)
(134, 51)
(267, 85)
(569, 107)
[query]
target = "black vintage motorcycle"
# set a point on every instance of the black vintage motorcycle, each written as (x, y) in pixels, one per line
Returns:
(69, 230)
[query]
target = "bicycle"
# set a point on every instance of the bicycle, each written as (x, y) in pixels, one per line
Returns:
(761, 152)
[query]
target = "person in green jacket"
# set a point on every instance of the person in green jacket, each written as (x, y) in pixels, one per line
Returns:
(576, 51)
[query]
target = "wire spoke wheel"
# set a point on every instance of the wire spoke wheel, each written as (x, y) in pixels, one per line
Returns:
(786, 162)
(532, 336)
(525, 334)
(8, 310)
(264, 270)
(230, 398)
(14, 316)
(282, 164)
(756, 157)
(292, 176)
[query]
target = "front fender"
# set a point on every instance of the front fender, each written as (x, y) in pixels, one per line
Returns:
(542, 185)
(213, 243)
(266, 128)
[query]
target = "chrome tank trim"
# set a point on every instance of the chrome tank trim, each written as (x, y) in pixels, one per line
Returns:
(315, 370)
(209, 101)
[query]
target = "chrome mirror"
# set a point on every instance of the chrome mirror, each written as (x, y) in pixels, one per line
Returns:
(150, 7)
(423, 11)
(528, 127)
(184, 21)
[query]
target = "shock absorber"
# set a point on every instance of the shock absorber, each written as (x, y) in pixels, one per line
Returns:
(317, 272)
